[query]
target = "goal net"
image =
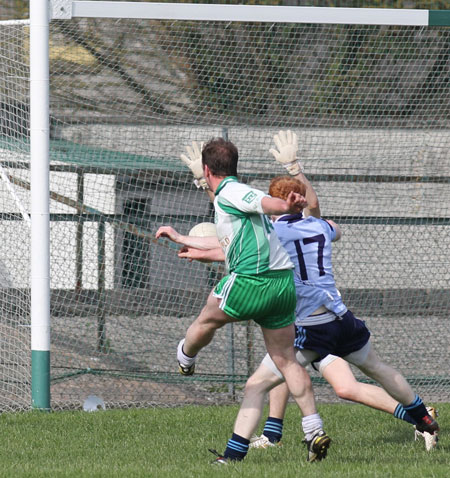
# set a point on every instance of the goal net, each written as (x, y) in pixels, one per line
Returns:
(15, 365)
(371, 107)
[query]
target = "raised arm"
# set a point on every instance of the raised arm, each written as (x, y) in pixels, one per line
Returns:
(313, 208)
(286, 154)
(336, 228)
(193, 160)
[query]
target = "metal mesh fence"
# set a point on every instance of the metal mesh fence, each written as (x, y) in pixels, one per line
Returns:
(371, 107)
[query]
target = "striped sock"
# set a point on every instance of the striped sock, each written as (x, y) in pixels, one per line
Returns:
(402, 414)
(417, 409)
(273, 429)
(237, 448)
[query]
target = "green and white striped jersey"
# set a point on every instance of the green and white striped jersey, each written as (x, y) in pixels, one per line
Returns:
(246, 234)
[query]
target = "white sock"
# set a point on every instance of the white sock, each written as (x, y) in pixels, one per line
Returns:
(184, 359)
(311, 425)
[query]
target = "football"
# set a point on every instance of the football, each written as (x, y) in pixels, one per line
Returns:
(204, 229)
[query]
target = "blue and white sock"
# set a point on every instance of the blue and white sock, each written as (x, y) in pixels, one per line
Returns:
(237, 448)
(273, 429)
(417, 409)
(402, 414)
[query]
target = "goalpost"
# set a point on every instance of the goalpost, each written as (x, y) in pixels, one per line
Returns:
(118, 89)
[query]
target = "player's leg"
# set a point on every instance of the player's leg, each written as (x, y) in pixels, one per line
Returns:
(354, 345)
(252, 406)
(279, 346)
(266, 377)
(337, 372)
(396, 385)
(339, 375)
(200, 334)
(278, 399)
(271, 300)
(273, 427)
(202, 330)
(249, 415)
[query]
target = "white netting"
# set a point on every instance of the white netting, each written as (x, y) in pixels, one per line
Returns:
(370, 105)
(15, 391)
(371, 108)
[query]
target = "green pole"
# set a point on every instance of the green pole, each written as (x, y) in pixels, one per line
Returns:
(40, 379)
(439, 18)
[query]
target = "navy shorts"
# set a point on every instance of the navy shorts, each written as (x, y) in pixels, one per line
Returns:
(340, 337)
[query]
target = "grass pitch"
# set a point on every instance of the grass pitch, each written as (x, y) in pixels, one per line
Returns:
(174, 443)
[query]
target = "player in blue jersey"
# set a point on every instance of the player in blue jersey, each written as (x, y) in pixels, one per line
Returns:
(335, 370)
(325, 327)
(259, 286)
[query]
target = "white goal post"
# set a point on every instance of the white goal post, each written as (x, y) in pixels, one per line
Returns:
(64, 9)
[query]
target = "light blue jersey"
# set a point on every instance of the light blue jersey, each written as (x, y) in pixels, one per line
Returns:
(308, 243)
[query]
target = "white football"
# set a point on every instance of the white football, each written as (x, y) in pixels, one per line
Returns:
(204, 229)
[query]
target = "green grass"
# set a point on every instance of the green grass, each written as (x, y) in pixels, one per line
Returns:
(174, 443)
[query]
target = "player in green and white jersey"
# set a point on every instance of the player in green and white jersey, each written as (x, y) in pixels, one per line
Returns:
(258, 265)
(259, 286)
(245, 232)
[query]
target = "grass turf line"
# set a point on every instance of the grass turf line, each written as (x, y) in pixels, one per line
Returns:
(174, 443)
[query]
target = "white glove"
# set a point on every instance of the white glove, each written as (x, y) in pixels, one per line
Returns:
(286, 155)
(194, 162)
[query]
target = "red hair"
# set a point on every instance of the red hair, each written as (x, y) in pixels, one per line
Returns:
(281, 186)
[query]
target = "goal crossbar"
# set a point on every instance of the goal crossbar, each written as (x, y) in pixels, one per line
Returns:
(249, 13)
